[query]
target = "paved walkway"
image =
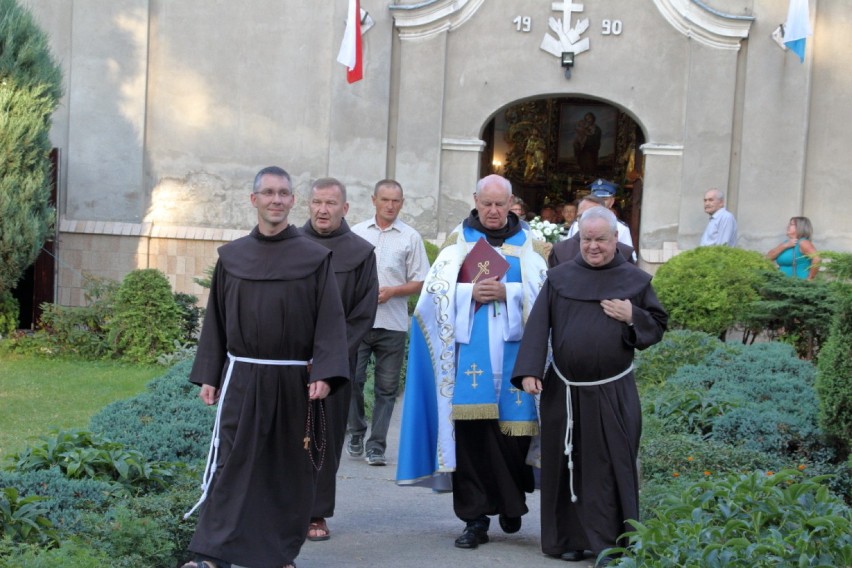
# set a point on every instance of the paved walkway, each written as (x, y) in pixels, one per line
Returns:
(379, 524)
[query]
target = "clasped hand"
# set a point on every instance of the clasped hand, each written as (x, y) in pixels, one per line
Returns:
(489, 290)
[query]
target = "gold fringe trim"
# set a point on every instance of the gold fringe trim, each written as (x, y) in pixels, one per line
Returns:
(475, 412)
(519, 428)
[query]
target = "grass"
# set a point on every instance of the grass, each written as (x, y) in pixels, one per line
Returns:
(38, 394)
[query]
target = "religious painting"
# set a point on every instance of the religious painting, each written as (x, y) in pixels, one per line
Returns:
(587, 137)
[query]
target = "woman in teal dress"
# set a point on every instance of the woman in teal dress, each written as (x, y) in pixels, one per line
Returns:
(796, 257)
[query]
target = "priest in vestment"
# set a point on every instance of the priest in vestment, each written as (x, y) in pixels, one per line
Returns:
(273, 345)
(461, 416)
(596, 309)
(354, 265)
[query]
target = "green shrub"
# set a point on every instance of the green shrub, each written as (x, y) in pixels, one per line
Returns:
(83, 455)
(148, 530)
(190, 316)
(9, 312)
(834, 377)
(755, 521)
(677, 348)
(168, 422)
(79, 331)
(709, 288)
(792, 311)
(146, 320)
(69, 554)
(22, 518)
(65, 500)
(766, 393)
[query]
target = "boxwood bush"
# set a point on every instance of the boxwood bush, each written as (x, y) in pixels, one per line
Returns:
(709, 288)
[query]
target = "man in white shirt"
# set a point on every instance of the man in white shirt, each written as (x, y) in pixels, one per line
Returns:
(605, 191)
(722, 227)
(402, 266)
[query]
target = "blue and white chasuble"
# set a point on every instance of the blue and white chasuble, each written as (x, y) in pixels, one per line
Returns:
(460, 359)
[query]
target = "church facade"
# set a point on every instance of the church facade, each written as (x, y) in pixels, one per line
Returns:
(170, 108)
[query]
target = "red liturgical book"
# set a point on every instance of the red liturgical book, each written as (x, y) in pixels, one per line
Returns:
(482, 262)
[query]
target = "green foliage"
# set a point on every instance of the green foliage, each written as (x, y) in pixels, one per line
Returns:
(793, 311)
(167, 423)
(688, 410)
(208, 277)
(83, 455)
(30, 89)
(22, 518)
(75, 331)
(9, 312)
(146, 320)
(69, 555)
(65, 500)
(764, 391)
(190, 316)
(837, 264)
(833, 382)
(755, 521)
(709, 289)
(677, 348)
(147, 530)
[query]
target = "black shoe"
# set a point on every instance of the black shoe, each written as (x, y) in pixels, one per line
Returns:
(355, 447)
(510, 525)
(472, 537)
(573, 555)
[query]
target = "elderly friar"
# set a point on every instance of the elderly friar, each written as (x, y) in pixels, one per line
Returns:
(596, 309)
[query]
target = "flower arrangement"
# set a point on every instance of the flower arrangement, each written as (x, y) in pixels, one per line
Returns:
(545, 230)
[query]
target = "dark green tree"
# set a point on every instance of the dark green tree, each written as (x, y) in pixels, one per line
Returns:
(834, 377)
(30, 89)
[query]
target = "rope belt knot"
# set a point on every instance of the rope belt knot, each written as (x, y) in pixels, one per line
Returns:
(213, 453)
(569, 430)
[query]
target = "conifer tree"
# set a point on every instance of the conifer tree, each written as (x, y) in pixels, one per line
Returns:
(30, 89)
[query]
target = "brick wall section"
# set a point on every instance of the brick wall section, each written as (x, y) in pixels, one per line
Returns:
(111, 250)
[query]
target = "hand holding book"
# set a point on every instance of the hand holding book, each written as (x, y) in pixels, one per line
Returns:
(484, 266)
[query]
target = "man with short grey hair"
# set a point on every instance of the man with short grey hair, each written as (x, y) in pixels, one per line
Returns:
(402, 267)
(354, 267)
(594, 310)
(722, 227)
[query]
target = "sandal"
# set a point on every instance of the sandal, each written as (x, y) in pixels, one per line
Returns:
(320, 529)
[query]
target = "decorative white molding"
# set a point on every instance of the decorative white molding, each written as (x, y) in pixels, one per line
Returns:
(431, 17)
(696, 20)
(655, 149)
(463, 144)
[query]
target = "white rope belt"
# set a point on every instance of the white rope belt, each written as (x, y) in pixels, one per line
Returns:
(569, 429)
(213, 453)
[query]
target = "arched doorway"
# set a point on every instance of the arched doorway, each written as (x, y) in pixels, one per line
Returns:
(551, 149)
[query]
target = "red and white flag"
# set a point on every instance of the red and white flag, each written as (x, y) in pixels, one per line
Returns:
(350, 49)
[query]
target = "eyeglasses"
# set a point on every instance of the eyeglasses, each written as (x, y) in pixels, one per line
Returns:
(270, 193)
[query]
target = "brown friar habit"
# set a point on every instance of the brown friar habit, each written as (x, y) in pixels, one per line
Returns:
(589, 346)
(566, 250)
(357, 279)
(271, 298)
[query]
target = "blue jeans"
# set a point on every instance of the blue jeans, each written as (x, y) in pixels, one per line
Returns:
(389, 348)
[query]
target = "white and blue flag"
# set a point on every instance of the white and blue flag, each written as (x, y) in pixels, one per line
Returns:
(797, 28)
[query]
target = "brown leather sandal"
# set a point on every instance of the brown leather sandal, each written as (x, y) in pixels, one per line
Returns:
(320, 528)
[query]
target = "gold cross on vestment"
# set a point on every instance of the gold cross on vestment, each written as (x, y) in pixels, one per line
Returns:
(518, 401)
(474, 371)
